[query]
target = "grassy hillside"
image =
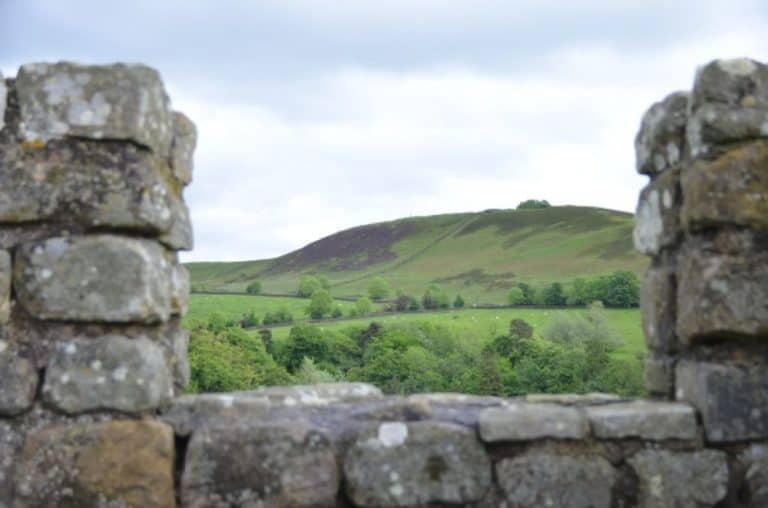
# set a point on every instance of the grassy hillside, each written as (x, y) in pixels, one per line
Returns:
(480, 255)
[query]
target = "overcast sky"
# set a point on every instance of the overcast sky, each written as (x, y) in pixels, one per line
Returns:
(315, 116)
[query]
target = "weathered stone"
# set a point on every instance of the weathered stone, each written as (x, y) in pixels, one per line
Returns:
(729, 103)
(118, 463)
(456, 407)
(723, 287)
(755, 460)
(527, 421)
(180, 236)
(732, 399)
(320, 394)
(10, 444)
(101, 278)
(660, 376)
(658, 304)
(5, 286)
(183, 148)
(3, 95)
(19, 381)
(179, 289)
(188, 413)
(660, 143)
(730, 190)
(573, 399)
(545, 479)
(651, 421)
(124, 102)
(670, 479)
(657, 221)
(113, 185)
(281, 465)
(179, 360)
(417, 463)
(112, 372)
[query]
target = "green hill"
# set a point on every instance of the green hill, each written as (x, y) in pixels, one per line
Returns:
(480, 255)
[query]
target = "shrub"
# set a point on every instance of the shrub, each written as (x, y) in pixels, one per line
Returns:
(249, 320)
(337, 312)
(458, 302)
(254, 288)
(402, 302)
(309, 374)
(363, 306)
(320, 305)
(308, 285)
(531, 204)
(515, 296)
(413, 305)
(553, 295)
(378, 289)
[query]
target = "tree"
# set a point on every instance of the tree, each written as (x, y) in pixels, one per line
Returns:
(324, 283)
(531, 204)
(308, 285)
(337, 312)
(309, 374)
(515, 296)
(320, 304)
(401, 302)
(458, 303)
(378, 289)
(520, 328)
(623, 290)
(254, 288)
(553, 295)
(529, 293)
(363, 306)
(249, 320)
(413, 305)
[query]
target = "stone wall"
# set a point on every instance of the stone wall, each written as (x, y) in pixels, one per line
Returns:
(92, 359)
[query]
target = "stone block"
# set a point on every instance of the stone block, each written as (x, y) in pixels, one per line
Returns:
(650, 421)
(732, 399)
(660, 143)
(729, 103)
(111, 372)
(528, 421)
(288, 464)
(188, 413)
(658, 306)
(180, 236)
(179, 358)
(123, 102)
(539, 479)
(659, 376)
(755, 461)
(5, 286)
(19, 381)
(723, 287)
(10, 445)
(657, 219)
(179, 289)
(99, 278)
(183, 148)
(118, 463)
(573, 399)
(731, 190)
(670, 479)
(320, 394)
(104, 185)
(415, 464)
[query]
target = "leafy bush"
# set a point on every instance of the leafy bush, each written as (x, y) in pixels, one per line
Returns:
(554, 295)
(337, 312)
(309, 374)
(308, 285)
(254, 288)
(378, 289)
(249, 320)
(620, 289)
(531, 204)
(458, 302)
(363, 306)
(515, 296)
(320, 304)
(280, 316)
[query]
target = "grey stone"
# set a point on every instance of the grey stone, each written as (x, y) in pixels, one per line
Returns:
(10, 444)
(111, 372)
(183, 148)
(5, 286)
(659, 376)
(100, 278)
(124, 102)
(179, 361)
(660, 143)
(729, 103)
(19, 381)
(320, 394)
(651, 421)
(179, 289)
(416, 463)
(188, 413)
(670, 479)
(723, 287)
(110, 464)
(657, 221)
(180, 236)
(3, 95)
(755, 460)
(281, 465)
(731, 399)
(658, 306)
(455, 407)
(96, 185)
(731, 190)
(528, 421)
(541, 479)
(573, 399)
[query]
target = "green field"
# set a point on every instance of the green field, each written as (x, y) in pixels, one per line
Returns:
(479, 255)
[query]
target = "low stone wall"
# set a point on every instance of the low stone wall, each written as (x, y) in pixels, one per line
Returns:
(92, 359)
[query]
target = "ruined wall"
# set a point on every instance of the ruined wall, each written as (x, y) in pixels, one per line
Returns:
(92, 166)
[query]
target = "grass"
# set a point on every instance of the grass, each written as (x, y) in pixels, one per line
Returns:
(535, 246)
